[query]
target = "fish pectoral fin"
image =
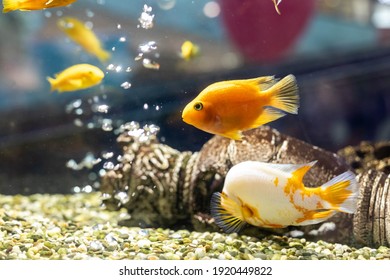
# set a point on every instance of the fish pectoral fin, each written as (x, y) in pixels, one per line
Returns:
(226, 213)
(315, 217)
(75, 82)
(268, 115)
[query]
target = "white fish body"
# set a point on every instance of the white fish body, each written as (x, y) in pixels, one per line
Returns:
(273, 196)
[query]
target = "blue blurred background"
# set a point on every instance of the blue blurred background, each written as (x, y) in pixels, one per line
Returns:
(339, 50)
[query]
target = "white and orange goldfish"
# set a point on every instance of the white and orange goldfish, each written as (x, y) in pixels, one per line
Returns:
(76, 77)
(227, 108)
(30, 5)
(273, 196)
(85, 37)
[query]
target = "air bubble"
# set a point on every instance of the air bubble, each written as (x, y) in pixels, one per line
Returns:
(78, 122)
(107, 155)
(123, 197)
(149, 64)
(108, 165)
(166, 4)
(103, 108)
(107, 125)
(126, 85)
(87, 189)
(89, 24)
(147, 47)
(89, 13)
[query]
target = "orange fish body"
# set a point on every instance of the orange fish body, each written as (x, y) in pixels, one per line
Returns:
(85, 37)
(76, 77)
(227, 108)
(29, 5)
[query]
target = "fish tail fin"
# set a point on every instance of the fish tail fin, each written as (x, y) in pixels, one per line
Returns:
(10, 5)
(226, 213)
(103, 55)
(341, 193)
(285, 95)
(52, 83)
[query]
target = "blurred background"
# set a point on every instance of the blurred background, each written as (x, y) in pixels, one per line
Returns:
(339, 50)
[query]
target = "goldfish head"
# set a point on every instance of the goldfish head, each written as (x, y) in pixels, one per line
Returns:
(198, 114)
(94, 75)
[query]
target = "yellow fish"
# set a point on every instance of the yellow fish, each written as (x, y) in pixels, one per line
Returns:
(29, 5)
(76, 77)
(273, 196)
(227, 108)
(189, 50)
(85, 37)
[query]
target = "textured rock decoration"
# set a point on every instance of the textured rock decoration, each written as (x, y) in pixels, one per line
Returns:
(371, 222)
(163, 187)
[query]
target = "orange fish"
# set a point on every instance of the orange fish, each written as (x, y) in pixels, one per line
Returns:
(227, 108)
(29, 5)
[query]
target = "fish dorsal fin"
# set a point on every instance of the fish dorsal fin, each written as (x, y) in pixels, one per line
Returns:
(226, 213)
(299, 170)
(263, 83)
(75, 82)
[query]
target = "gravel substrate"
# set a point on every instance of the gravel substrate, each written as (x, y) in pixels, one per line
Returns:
(76, 227)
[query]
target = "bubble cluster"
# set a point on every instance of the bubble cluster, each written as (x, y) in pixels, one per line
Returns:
(126, 85)
(150, 49)
(93, 112)
(146, 18)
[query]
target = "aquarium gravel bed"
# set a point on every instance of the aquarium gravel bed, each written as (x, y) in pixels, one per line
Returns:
(75, 227)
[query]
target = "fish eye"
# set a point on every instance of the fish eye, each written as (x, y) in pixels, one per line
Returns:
(198, 106)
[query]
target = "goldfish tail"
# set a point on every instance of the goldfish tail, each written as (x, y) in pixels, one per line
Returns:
(52, 83)
(341, 193)
(285, 95)
(10, 5)
(226, 213)
(103, 55)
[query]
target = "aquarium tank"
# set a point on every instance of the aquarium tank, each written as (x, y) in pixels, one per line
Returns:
(76, 75)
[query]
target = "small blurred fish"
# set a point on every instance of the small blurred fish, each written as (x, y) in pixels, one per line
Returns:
(189, 50)
(76, 77)
(227, 108)
(85, 37)
(274, 196)
(29, 5)
(276, 5)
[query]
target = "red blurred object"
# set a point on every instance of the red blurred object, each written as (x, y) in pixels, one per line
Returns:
(259, 32)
